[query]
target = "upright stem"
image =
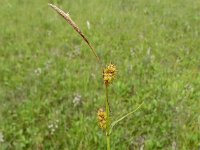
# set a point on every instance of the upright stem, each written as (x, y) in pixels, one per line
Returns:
(108, 142)
(108, 120)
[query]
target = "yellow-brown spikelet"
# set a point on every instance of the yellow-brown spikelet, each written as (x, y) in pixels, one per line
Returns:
(101, 116)
(109, 74)
(76, 28)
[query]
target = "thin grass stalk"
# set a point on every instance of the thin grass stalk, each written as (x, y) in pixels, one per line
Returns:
(108, 120)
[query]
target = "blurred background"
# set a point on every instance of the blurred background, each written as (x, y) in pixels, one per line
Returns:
(51, 85)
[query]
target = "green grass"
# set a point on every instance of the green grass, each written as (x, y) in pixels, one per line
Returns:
(44, 64)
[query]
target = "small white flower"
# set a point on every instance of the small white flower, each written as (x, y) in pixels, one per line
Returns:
(88, 24)
(53, 126)
(1, 138)
(38, 71)
(53, 130)
(77, 101)
(50, 126)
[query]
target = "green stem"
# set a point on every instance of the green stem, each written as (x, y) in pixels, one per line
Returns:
(108, 120)
(108, 141)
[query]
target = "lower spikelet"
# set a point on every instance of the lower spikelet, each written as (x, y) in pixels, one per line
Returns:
(101, 116)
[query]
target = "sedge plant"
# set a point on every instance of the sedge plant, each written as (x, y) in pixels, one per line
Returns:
(109, 74)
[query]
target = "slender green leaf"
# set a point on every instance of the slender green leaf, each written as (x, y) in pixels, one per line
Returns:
(123, 117)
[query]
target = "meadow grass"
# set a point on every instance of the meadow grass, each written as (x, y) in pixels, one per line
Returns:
(50, 86)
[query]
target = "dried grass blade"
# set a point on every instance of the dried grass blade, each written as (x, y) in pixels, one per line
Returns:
(73, 24)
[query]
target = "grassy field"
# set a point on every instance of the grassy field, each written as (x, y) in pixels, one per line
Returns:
(51, 85)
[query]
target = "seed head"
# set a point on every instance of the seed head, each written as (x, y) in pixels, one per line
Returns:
(101, 116)
(109, 74)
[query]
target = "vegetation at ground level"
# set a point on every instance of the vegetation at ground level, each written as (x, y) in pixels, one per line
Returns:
(51, 87)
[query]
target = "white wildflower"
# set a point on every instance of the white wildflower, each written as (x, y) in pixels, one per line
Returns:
(1, 137)
(38, 71)
(88, 24)
(53, 127)
(77, 101)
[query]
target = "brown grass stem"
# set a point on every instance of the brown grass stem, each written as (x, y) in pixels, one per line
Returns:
(76, 28)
